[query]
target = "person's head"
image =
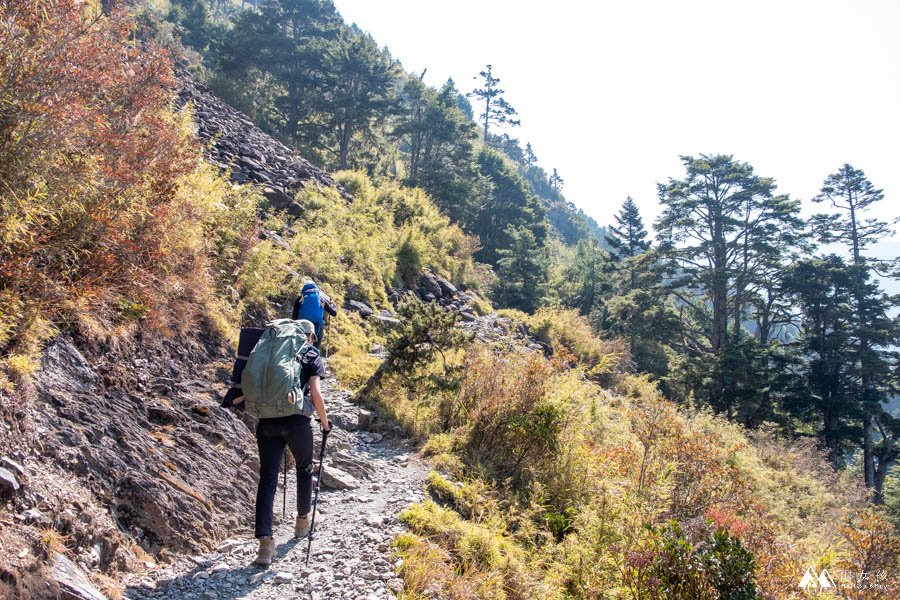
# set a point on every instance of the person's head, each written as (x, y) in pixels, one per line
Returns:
(309, 286)
(309, 329)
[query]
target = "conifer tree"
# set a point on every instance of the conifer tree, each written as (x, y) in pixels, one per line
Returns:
(440, 145)
(497, 110)
(556, 182)
(718, 225)
(521, 270)
(530, 157)
(628, 238)
(506, 202)
(587, 277)
(876, 336)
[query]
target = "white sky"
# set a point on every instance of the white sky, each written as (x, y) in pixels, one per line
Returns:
(611, 93)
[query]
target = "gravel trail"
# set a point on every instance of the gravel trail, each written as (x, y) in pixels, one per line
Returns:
(351, 556)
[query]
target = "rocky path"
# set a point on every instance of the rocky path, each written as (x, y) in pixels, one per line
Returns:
(370, 477)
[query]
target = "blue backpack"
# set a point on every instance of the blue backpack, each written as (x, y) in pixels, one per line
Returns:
(311, 307)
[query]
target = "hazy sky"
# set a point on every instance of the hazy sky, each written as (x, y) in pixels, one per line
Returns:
(611, 93)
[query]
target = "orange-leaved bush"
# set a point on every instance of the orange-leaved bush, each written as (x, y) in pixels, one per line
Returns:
(90, 159)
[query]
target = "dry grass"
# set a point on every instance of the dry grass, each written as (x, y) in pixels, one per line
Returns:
(545, 453)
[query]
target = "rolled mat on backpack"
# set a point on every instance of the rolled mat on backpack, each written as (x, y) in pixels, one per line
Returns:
(234, 397)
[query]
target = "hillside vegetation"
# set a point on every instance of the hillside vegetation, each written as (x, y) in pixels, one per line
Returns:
(551, 485)
(736, 305)
(660, 447)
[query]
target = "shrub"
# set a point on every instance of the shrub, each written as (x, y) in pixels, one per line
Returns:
(568, 333)
(92, 228)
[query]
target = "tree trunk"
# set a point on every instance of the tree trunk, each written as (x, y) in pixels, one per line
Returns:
(868, 450)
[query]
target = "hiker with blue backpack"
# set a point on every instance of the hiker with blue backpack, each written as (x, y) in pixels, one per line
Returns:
(279, 384)
(312, 304)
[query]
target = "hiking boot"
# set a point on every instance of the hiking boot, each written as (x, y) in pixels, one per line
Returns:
(266, 552)
(301, 526)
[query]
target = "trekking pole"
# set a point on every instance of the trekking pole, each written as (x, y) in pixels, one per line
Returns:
(284, 487)
(312, 523)
(324, 331)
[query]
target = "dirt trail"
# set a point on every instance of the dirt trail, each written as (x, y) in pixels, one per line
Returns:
(351, 555)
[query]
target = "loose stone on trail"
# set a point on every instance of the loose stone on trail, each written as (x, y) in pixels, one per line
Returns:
(351, 557)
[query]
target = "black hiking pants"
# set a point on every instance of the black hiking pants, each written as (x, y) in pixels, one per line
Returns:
(272, 435)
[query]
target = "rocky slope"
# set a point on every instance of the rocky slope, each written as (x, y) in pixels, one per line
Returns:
(123, 452)
(236, 145)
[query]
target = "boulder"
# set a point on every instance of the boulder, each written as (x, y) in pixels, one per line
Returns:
(336, 479)
(277, 196)
(349, 463)
(33, 515)
(12, 465)
(72, 581)
(8, 482)
(430, 285)
(387, 321)
(447, 288)
(366, 419)
(276, 239)
(362, 308)
(344, 421)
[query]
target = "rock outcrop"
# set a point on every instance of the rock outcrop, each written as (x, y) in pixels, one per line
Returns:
(235, 144)
(143, 425)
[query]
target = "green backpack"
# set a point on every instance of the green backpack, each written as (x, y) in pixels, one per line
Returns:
(271, 381)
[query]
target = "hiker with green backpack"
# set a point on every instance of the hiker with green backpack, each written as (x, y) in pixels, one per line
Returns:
(280, 386)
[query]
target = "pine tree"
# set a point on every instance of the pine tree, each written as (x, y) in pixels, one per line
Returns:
(531, 159)
(521, 270)
(556, 182)
(361, 77)
(497, 110)
(439, 140)
(506, 202)
(852, 194)
(629, 238)
(587, 277)
(718, 225)
(826, 396)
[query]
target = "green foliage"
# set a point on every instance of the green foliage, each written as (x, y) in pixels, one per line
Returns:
(423, 360)
(585, 279)
(724, 236)
(617, 494)
(440, 140)
(409, 260)
(629, 238)
(507, 206)
(497, 110)
(711, 565)
(521, 270)
(561, 523)
(570, 336)
(308, 78)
